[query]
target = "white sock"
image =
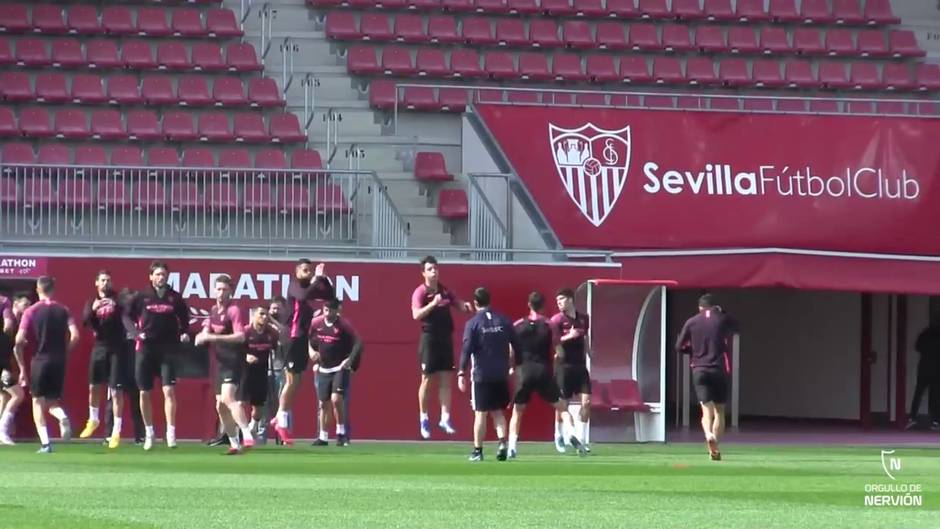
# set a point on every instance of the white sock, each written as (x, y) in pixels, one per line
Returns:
(58, 413)
(253, 426)
(445, 417)
(282, 419)
(340, 429)
(92, 414)
(5, 420)
(559, 427)
(170, 431)
(246, 433)
(233, 438)
(116, 429)
(149, 430)
(324, 435)
(43, 435)
(424, 417)
(584, 432)
(513, 438)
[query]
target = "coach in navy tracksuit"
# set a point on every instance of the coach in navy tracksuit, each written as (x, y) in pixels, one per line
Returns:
(487, 338)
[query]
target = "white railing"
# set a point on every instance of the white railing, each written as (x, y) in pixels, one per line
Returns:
(165, 205)
(487, 230)
(267, 14)
(389, 229)
(288, 49)
(310, 85)
(332, 118)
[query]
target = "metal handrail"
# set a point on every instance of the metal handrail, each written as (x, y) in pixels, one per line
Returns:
(267, 14)
(288, 50)
(471, 178)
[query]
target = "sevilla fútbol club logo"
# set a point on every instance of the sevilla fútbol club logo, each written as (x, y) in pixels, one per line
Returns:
(592, 163)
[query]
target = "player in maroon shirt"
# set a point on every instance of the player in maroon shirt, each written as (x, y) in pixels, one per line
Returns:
(335, 349)
(50, 330)
(11, 393)
(707, 337)
(431, 304)
(570, 332)
(160, 319)
(261, 342)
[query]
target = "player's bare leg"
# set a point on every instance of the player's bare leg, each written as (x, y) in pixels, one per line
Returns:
(515, 425)
(444, 393)
(13, 397)
(499, 422)
(585, 416)
(56, 410)
(146, 415)
(339, 413)
(169, 409)
(325, 415)
(718, 424)
(479, 433)
(423, 421)
(94, 400)
(117, 407)
(237, 414)
(285, 404)
(228, 425)
(39, 419)
(708, 422)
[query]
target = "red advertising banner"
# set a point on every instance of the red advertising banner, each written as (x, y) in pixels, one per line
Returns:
(15, 267)
(376, 299)
(645, 179)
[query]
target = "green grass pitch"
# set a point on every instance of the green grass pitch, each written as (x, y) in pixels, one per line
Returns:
(413, 485)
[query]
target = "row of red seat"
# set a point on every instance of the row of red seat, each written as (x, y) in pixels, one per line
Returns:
(151, 195)
(186, 90)
(748, 11)
(382, 96)
(144, 125)
(578, 34)
(132, 156)
(134, 54)
(633, 69)
(118, 20)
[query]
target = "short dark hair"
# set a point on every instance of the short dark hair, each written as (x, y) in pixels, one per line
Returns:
(158, 264)
(566, 292)
(304, 261)
(278, 299)
(103, 272)
(259, 308)
(536, 301)
(706, 301)
(482, 296)
(334, 304)
(45, 284)
(224, 279)
(22, 295)
(428, 259)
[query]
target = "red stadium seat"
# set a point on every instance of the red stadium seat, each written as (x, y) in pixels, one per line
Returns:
(847, 12)
(37, 192)
(644, 37)
(688, 10)
(330, 200)
(341, 25)
(249, 127)
(879, 12)
(452, 204)
(654, 9)
(375, 27)
(773, 41)
(799, 74)
(600, 68)
(184, 196)
(91, 156)
(430, 62)
(610, 36)
(150, 195)
(534, 66)
(193, 90)
(477, 32)
(179, 126)
(625, 396)
(589, 8)
(622, 9)
(118, 21)
(142, 125)
(710, 39)
(172, 56)
(235, 159)
(452, 99)
(807, 41)
(102, 54)
(214, 126)
(71, 125)
(688, 102)
(701, 71)
(126, 156)
(839, 42)
(865, 76)
(431, 167)
(676, 38)
(51, 88)
(83, 20)
(577, 35)
(221, 197)
(766, 74)
(285, 128)
(8, 128)
(208, 57)
(306, 159)
(499, 65)
(816, 12)
(158, 90)
(634, 70)
(263, 92)
(420, 98)
(567, 67)
(67, 53)
(497, 7)
(34, 123)
(15, 87)
(151, 22)
(511, 32)
(242, 58)
(666, 70)
(751, 11)
(382, 95)
(17, 153)
(466, 64)
(293, 199)
(784, 11)
(228, 91)
(9, 195)
(522, 7)
(832, 75)
(902, 44)
(457, 6)
(733, 72)
(742, 40)
(137, 55)
(163, 157)
(33, 53)
(397, 61)
(52, 154)
(725, 103)
(360, 60)
(6, 53)
(928, 77)
(222, 23)
(897, 76)
(113, 194)
(759, 105)
(557, 8)
(543, 33)
(270, 159)
(187, 22)
(47, 19)
(871, 43)
(106, 125)
(410, 29)
(443, 30)
(14, 18)
(791, 105)
(123, 90)
(719, 11)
